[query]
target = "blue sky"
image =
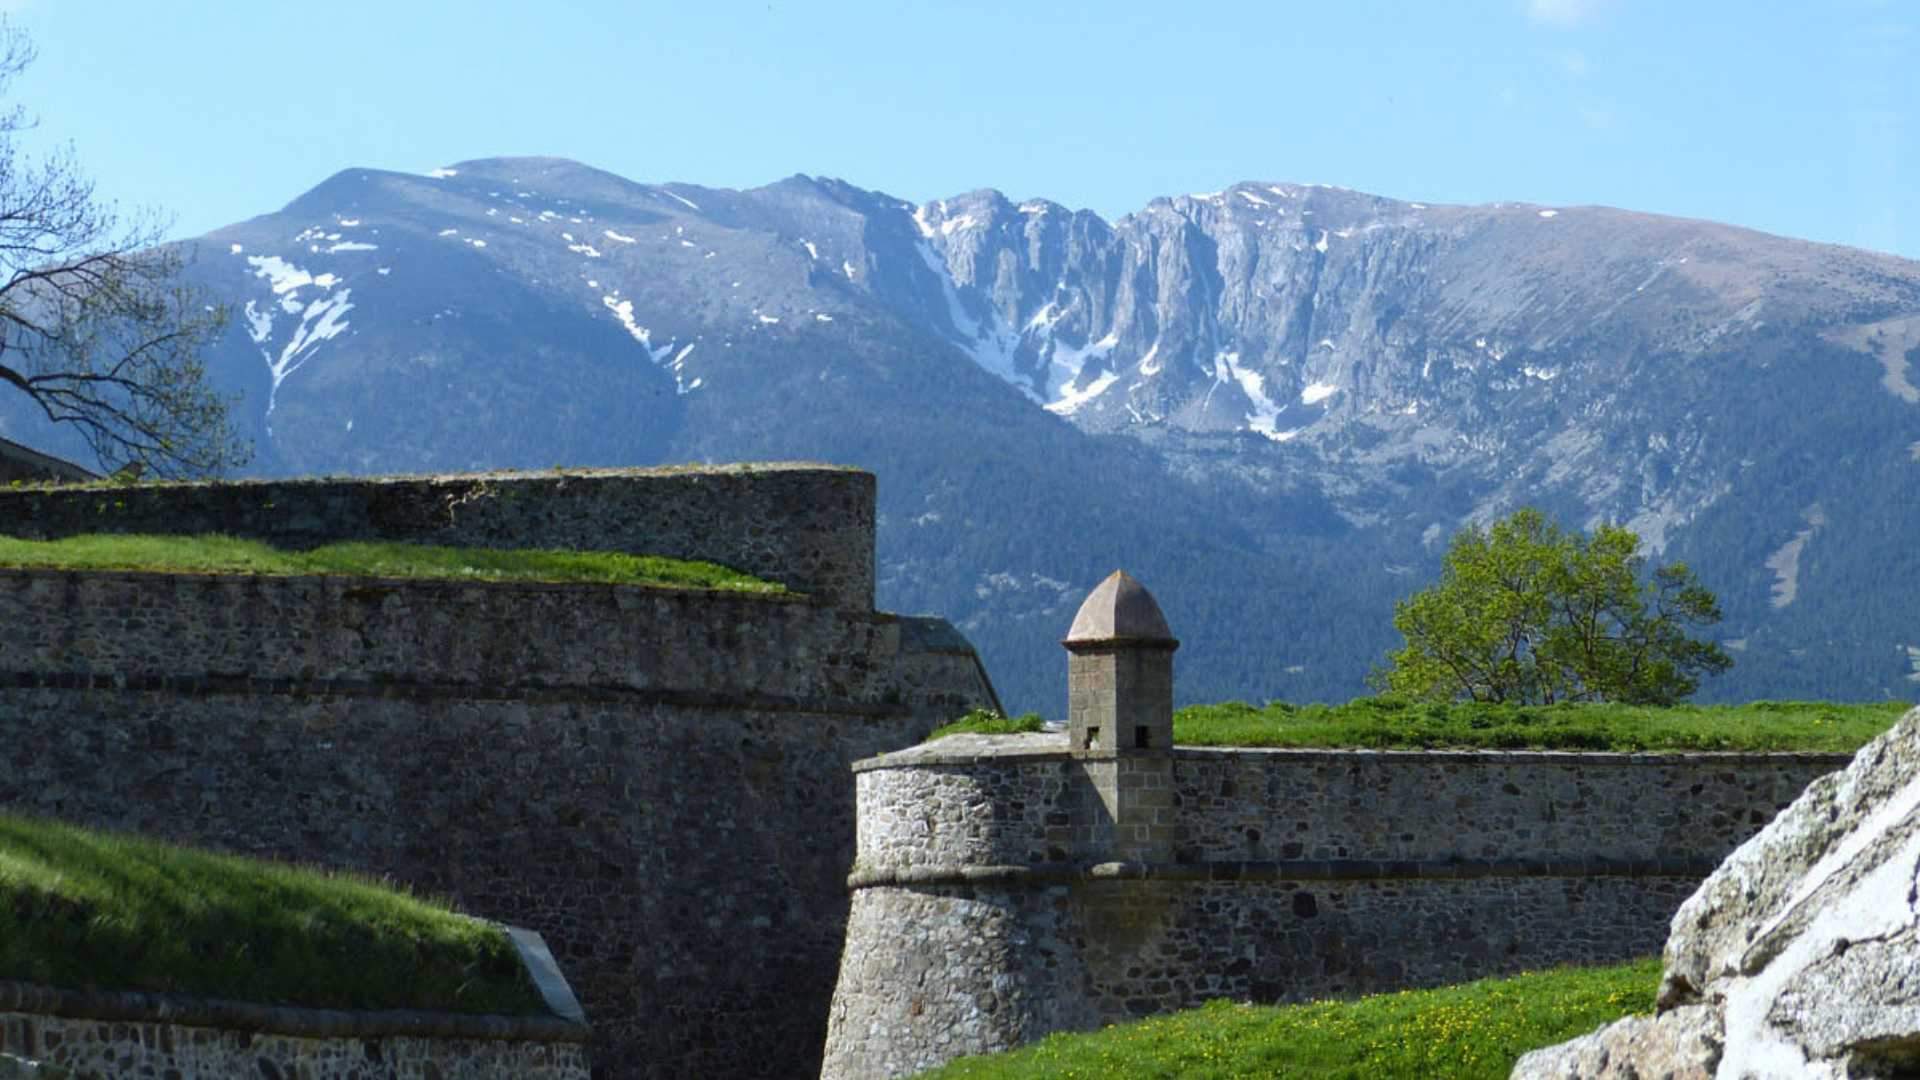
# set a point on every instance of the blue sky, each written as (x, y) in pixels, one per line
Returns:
(1802, 119)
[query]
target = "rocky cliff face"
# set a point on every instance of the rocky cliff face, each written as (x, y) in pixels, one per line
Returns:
(1796, 958)
(1513, 344)
(1273, 402)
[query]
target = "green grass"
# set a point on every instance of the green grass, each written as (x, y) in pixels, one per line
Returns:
(1477, 1029)
(1383, 723)
(987, 722)
(84, 909)
(227, 555)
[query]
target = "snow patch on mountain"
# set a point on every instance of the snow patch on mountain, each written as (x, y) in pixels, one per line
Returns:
(678, 367)
(1071, 399)
(1151, 363)
(691, 205)
(1049, 313)
(282, 276)
(991, 346)
(1264, 413)
(1318, 392)
(1065, 362)
(259, 323)
(320, 320)
(623, 310)
(658, 354)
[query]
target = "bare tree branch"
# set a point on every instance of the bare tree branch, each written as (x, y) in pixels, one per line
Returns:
(97, 326)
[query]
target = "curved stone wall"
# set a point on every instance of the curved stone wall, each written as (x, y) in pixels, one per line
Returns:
(952, 970)
(999, 809)
(809, 527)
(655, 780)
(989, 909)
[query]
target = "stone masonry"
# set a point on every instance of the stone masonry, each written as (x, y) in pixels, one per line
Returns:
(93, 1035)
(1007, 887)
(809, 527)
(654, 779)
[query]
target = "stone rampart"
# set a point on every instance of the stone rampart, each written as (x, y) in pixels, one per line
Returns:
(655, 780)
(809, 527)
(989, 908)
(25, 465)
(94, 1034)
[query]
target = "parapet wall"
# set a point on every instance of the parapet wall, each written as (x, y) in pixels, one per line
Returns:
(809, 527)
(94, 1034)
(654, 779)
(392, 636)
(25, 465)
(989, 907)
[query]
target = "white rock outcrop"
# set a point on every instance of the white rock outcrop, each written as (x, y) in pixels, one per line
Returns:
(1800, 956)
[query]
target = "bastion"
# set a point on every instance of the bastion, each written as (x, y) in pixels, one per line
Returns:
(1006, 887)
(654, 780)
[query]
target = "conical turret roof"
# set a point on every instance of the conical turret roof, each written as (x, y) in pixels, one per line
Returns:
(1119, 609)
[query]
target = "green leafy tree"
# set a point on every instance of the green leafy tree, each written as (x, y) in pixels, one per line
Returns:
(1526, 612)
(96, 325)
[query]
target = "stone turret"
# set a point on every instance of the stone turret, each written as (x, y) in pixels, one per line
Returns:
(1120, 722)
(1120, 672)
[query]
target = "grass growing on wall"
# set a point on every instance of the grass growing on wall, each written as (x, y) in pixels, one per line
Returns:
(227, 555)
(1473, 1030)
(83, 909)
(1385, 723)
(988, 722)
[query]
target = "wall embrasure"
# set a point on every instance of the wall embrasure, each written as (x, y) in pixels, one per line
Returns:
(989, 908)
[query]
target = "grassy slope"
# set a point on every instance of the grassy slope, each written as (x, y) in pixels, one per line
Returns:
(226, 555)
(1381, 723)
(1476, 1029)
(86, 909)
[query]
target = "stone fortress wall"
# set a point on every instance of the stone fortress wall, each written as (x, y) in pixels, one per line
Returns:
(655, 780)
(1007, 887)
(25, 465)
(809, 527)
(54, 1034)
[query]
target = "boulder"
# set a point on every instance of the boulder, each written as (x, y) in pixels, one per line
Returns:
(1800, 955)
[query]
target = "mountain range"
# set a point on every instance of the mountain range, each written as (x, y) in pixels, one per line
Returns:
(1272, 403)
